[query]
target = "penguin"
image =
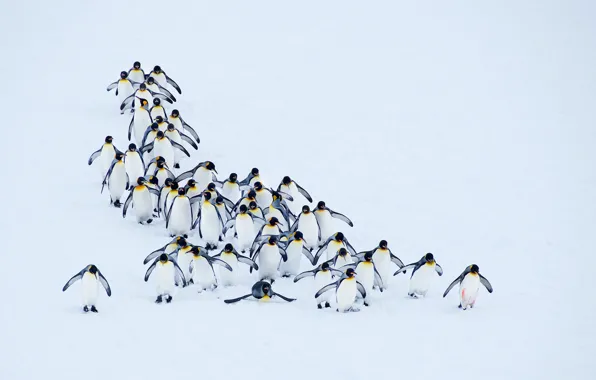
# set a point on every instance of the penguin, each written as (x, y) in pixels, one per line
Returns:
(256, 210)
(117, 180)
(174, 135)
(176, 244)
(158, 110)
(163, 192)
(324, 216)
(469, 283)
(382, 258)
(192, 191)
(169, 275)
(203, 174)
(341, 258)
(245, 224)
(295, 248)
(421, 275)
(270, 228)
(210, 222)
(182, 125)
(141, 93)
(162, 124)
(230, 188)
(306, 222)
(162, 172)
(368, 275)
(179, 219)
(269, 253)
(124, 87)
(263, 196)
(163, 79)
(222, 207)
(346, 289)
(136, 73)
(323, 275)
(261, 291)
(133, 162)
(248, 197)
(164, 147)
(280, 210)
(251, 178)
(182, 255)
(150, 135)
(90, 277)
(333, 245)
(232, 258)
(139, 122)
(169, 198)
(152, 165)
(153, 183)
(201, 269)
(106, 155)
(140, 197)
(157, 88)
(292, 188)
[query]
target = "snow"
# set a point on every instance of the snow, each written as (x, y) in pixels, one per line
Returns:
(465, 129)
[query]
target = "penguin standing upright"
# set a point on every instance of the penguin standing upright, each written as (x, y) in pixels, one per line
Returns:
(90, 278)
(153, 86)
(163, 193)
(203, 174)
(346, 290)
(193, 191)
(262, 195)
(292, 188)
(179, 219)
(210, 222)
(295, 249)
(132, 101)
(163, 146)
(201, 269)
(232, 258)
(163, 79)
(325, 217)
(117, 180)
(230, 188)
(368, 275)
(469, 283)
(421, 275)
(181, 125)
(174, 135)
(106, 155)
(158, 110)
(251, 178)
(307, 223)
(169, 275)
(269, 253)
(383, 257)
(333, 244)
(124, 87)
(136, 73)
(261, 291)
(133, 162)
(140, 197)
(162, 172)
(140, 121)
(245, 225)
(323, 275)
(280, 210)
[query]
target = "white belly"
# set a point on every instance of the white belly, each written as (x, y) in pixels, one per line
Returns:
(106, 157)
(366, 276)
(175, 137)
(343, 260)
(203, 178)
(332, 249)
(164, 278)
(125, 89)
(292, 266)
(134, 166)
(231, 191)
(264, 199)
(162, 175)
(346, 294)
(184, 257)
(160, 78)
(382, 262)
(273, 212)
(309, 228)
(210, 225)
(90, 289)
(322, 279)
(143, 95)
(136, 76)
(158, 111)
(229, 278)
(468, 290)
(117, 181)
(142, 204)
(295, 206)
(180, 217)
(140, 125)
(269, 259)
(245, 230)
(202, 274)
(326, 224)
(270, 230)
(164, 148)
(421, 280)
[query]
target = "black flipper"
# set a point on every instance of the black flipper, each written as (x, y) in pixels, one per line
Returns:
(234, 300)
(189, 140)
(94, 155)
(150, 269)
(361, 289)
(404, 268)
(173, 83)
(186, 175)
(341, 217)
(396, 260)
(282, 297)
(166, 91)
(113, 86)
(132, 121)
(220, 263)
(246, 260)
(378, 280)
(104, 283)
(127, 101)
(147, 148)
(161, 96)
(305, 274)
(326, 288)
(190, 130)
(308, 254)
(438, 268)
(180, 147)
(180, 273)
(73, 279)
(127, 203)
(304, 193)
(486, 283)
(455, 282)
(321, 250)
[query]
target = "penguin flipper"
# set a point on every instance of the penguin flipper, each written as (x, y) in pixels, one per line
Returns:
(282, 297)
(94, 155)
(321, 250)
(247, 261)
(361, 289)
(173, 84)
(189, 141)
(104, 283)
(326, 288)
(286, 196)
(378, 281)
(185, 175)
(304, 274)
(308, 254)
(484, 281)
(304, 193)
(404, 268)
(438, 268)
(156, 253)
(229, 224)
(455, 282)
(282, 252)
(234, 300)
(190, 129)
(161, 97)
(132, 121)
(73, 279)
(220, 262)
(127, 203)
(170, 211)
(112, 86)
(396, 260)
(166, 92)
(180, 147)
(150, 269)
(179, 274)
(126, 102)
(147, 148)
(153, 191)
(341, 217)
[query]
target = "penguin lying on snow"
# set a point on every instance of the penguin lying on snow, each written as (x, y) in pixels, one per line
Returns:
(261, 291)
(91, 277)
(469, 283)
(421, 276)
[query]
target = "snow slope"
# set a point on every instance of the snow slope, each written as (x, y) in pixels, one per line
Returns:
(462, 129)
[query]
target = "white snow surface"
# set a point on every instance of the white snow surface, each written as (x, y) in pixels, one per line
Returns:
(462, 128)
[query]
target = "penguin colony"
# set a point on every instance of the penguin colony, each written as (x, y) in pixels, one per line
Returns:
(238, 221)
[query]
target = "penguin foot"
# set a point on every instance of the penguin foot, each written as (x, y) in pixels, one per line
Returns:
(327, 305)
(459, 307)
(94, 309)
(155, 210)
(366, 304)
(149, 221)
(319, 306)
(169, 299)
(413, 295)
(158, 300)
(85, 308)
(185, 236)
(176, 166)
(191, 281)
(117, 204)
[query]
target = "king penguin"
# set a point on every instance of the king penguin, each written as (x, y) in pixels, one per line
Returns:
(346, 289)
(421, 275)
(90, 277)
(117, 180)
(106, 155)
(469, 283)
(261, 291)
(232, 258)
(323, 275)
(169, 275)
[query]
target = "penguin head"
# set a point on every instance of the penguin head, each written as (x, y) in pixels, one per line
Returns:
(159, 119)
(272, 240)
(243, 209)
(298, 235)
(175, 113)
(153, 180)
(159, 159)
(325, 266)
(160, 164)
(108, 139)
(92, 269)
(254, 171)
(258, 186)
(191, 183)
(157, 69)
(474, 268)
(266, 288)
(132, 147)
(171, 127)
(305, 209)
(206, 195)
(136, 65)
(123, 74)
(156, 101)
(429, 258)
(154, 126)
(251, 194)
(350, 272)
(229, 247)
(144, 102)
(181, 241)
(143, 87)
(339, 236)
(342, 252)
(168, 182)
(196, 251)
(219, 200)
(233, 177)
(163, 258)
(273, 221)
(174, 185)
(119, 156)
(150, 80)
(321, 205)
(141, 180)
(210, 166)
(275, 195)
(368, 256)
(383, 244)
(211, 186)
(160, 134)
(252, 205)
(181, 191)
(286, 180)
